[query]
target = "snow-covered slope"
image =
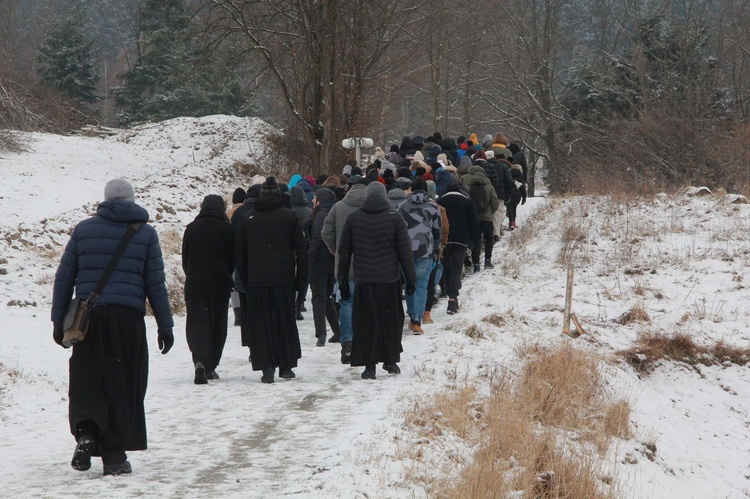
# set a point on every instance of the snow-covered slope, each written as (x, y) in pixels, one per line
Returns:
(328, 433)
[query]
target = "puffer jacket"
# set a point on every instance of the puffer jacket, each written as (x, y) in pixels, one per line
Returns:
(476, 174)
(462, 218)
(139, 273)
(333, 225)
(376, 236)
(423, 223)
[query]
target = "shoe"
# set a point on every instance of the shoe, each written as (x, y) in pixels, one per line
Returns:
(346, 353)
(392, 368)
(496, 239)
(321, 341)
(511, 226)
(212, 374)
(334, 339)
(123, 468)
(488, 264)
(369, 372)
(452, 306)
(515, 225)
(237, 315)
(82, 455)
(267, 376)
(298, 313)
(477, 268)
(200, 374)
(287, 374)
(443, 293)
(302, 308)
(426, 319)
(416, 328)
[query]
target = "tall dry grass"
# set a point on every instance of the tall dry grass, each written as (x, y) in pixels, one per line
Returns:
(521, 430)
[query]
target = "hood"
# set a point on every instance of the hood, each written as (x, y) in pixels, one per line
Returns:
(375, 199)
(356, 195)
(477, 171)
(120, 210)
(305, 185)
(431, 189)
(419, 197)
(293, 181)
(435, 150)
(298, 196)
(397, 193)
(213, 206)
(465, 162)
(514, 148)
(406, 144)
(325, 195)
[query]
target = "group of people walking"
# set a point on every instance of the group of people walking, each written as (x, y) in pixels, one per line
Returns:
(363, 243)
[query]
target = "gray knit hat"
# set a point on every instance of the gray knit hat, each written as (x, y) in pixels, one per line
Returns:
(119, 188)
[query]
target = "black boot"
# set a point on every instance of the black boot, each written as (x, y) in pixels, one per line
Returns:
(369, 372)
(298, 312)
(237, 317)
(267, 375)
(346, 353)
(392, 368)
(321, 341)
(82, 455)
(200, 374)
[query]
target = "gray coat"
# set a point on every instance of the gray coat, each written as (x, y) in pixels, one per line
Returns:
(333, 225)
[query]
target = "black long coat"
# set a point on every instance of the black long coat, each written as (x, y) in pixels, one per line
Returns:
(208, 247)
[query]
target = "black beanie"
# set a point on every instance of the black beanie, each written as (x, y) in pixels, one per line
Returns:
(270, 188)
(239, 195)
(404, 172)
(253, 192)
(419, 184)
(213, 202)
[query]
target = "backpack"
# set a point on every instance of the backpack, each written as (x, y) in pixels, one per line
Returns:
(479, 197)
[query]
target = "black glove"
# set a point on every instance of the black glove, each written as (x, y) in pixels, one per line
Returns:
(58, 334)
(344, 288)
(410, 288)
(166, 339)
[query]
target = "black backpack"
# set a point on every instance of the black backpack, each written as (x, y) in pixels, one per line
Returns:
(479, 197)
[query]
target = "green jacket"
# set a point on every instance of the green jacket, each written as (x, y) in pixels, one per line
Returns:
(476, 174)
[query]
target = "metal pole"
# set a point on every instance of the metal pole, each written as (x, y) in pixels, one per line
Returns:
(359, 156)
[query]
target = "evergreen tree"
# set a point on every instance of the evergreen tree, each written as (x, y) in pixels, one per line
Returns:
(66, 59)
(173, 75)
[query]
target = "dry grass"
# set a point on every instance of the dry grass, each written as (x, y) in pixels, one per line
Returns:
(636, 314)
(572, 238)
(496, 319)
(521, 430)
(651, 348)
(475, 332)
(536, 220)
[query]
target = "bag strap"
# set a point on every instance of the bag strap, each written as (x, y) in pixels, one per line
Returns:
(129, 233)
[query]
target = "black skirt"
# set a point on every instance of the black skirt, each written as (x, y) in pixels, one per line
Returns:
(108, 378)
(272, 328)
(377, 323)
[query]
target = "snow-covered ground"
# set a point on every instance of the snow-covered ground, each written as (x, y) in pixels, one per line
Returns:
(328, 433)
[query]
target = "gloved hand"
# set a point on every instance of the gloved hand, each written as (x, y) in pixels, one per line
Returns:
(58, 334)
(166, 339)
(523, 200)
(410, 288)
(344, 288)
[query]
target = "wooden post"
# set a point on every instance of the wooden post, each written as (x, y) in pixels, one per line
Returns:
(568, 300)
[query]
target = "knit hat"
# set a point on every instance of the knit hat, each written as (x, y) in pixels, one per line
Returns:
(394, 148)
(325, 195)
(465, 162)
(375, 190)
(347, 170)
(270, 188)
(258, 179)
(418, 184)
(253, 192)
(239, 195)
(119, 188)
(403, 183)
(480, 155)
(473, 139)
(489, 154)
(403, 172)
(311, 180)
(213, 202)
(418, 156)
(442, 158)
(357, 171)
(379, 154)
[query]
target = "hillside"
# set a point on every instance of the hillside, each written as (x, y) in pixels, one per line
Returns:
(673, 264)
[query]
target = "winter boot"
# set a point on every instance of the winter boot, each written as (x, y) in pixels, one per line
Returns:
(334, 339)
(82, 455)
(298, 312)
(392, 368)
(212, 374)
(346, 353)
(321, 341)
(426, 319)
(452, 306)
(200, 374)
(416, 328)
(488, 264)
(123, 468)
(237, 317)
(369, 372)
(267, 375)
(511, 226)
(477, 268)
(286, 374)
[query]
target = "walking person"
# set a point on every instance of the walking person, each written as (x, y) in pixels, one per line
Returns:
(424, 224)
(301, 207)
(376, 239)
(272, 265)
(321, 270)
(109, 368)
(464, 223)
(486, 203)
(208, 246)
(333, 227)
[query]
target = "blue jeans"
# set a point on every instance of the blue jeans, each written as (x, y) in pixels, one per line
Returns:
(415, 303)
(345, 313)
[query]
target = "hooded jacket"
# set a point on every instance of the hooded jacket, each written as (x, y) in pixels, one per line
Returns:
(476, 174)
(300, 208)
(139, 273)
(309, 193)
(444, 177)
(423, 223)
(462, 218)
(318, 253)
(333, 225)
(376, 236)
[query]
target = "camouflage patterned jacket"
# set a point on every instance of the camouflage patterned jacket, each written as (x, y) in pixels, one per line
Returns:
(424, 224)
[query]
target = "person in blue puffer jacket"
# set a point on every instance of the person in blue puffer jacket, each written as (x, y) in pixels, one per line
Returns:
(109, 369)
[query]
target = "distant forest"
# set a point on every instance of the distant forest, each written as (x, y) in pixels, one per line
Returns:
(638, 95)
